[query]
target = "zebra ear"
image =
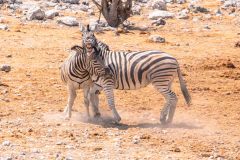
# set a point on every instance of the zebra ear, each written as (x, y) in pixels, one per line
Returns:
(88, 28)
(82, 28)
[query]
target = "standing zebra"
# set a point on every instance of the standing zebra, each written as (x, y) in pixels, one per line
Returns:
(75, 76)
(134, 70)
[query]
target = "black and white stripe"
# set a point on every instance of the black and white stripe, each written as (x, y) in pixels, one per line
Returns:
(75, 75)
(134, 70)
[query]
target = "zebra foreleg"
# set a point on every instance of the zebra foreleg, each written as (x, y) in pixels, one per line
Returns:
(86, 100)
(71, 97)
(110, 98)
(169, 108)
(94, 99)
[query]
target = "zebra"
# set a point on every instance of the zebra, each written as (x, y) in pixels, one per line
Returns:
(75, 76)
(101, 76)
(134, 70)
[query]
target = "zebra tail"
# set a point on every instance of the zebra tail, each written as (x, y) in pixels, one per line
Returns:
(184, 89)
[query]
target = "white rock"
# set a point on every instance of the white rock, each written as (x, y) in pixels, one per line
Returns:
(181, 1)
(51, 14)
(69, 21)
(136, 139)
(183, 14)
(3, 27)
(6, 143)
(136, 9)
(160, 14)
(35, 13)
(157, 4)
(156, 38)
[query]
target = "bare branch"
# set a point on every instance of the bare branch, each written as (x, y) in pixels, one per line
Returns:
(98, 5)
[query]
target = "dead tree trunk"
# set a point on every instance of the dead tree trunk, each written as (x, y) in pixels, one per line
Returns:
(115, 11)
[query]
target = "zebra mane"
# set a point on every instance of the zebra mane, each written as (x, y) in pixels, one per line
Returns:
(103, 45)
(77, 49)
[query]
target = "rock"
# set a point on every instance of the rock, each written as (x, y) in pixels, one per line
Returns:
(69, 21)
(183, 14)
(136, 139)
(169, 1)
(71, 1)
(206, 27)
(176, 149)
(160, 14)
(3, 27)
(5, 68)
(35, 13)
(6, 143)
(231, 3)
(50, 4)
(9, 56)
(230, 65)
(157, 4)
(60, 7)
(197, 9)
(143, 1)
(181, 1)
(51, 14)
(136, 10)
(237, 44)
(218, 12)
(156, 38)
(159, 22)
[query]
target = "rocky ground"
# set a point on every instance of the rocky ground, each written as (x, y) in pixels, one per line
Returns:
(35, 37)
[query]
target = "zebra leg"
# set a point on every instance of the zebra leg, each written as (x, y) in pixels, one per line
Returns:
(71, 97)
(169, 108)
(86, 100)
(94, 99)
(164, 87)
(110, 97)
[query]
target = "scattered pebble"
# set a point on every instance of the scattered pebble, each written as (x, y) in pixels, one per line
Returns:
(5, 68)
(69, 21)
(237, 44)
(35, 13)
(156, 38)
(136, 139)
(6, 143)
(3, 27)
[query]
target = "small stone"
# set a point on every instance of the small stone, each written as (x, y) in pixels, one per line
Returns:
(5, 68)
(3, 27)
(230, 65)
(183, 14)
(51, 14)
(157, 4)
(35, 150)
(136, 139)
(206, 27)
(237, 44)
(9, 56)
(35, 13)
(156, 38)
(181, 1)
(177, 149)
(69, 21)
(71, 1)
(159, 22)
(136, 10)
(97, 148)
(6, 143)
(160, 14)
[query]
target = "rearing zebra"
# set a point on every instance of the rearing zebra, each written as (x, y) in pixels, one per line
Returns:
(134, 70)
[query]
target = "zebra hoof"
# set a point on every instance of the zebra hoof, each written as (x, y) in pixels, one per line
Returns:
(97, 115)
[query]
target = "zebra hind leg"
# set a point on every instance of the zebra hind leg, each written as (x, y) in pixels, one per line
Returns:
(169, 108)
(86, 101)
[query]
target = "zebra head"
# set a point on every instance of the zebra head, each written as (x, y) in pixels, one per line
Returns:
(88, 37)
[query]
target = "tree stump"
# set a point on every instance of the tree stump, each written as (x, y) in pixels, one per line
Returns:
(115, 11)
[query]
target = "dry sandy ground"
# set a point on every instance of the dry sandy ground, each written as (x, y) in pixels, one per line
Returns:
(31, 104)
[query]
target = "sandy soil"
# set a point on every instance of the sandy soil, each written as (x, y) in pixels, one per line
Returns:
(32, 96)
